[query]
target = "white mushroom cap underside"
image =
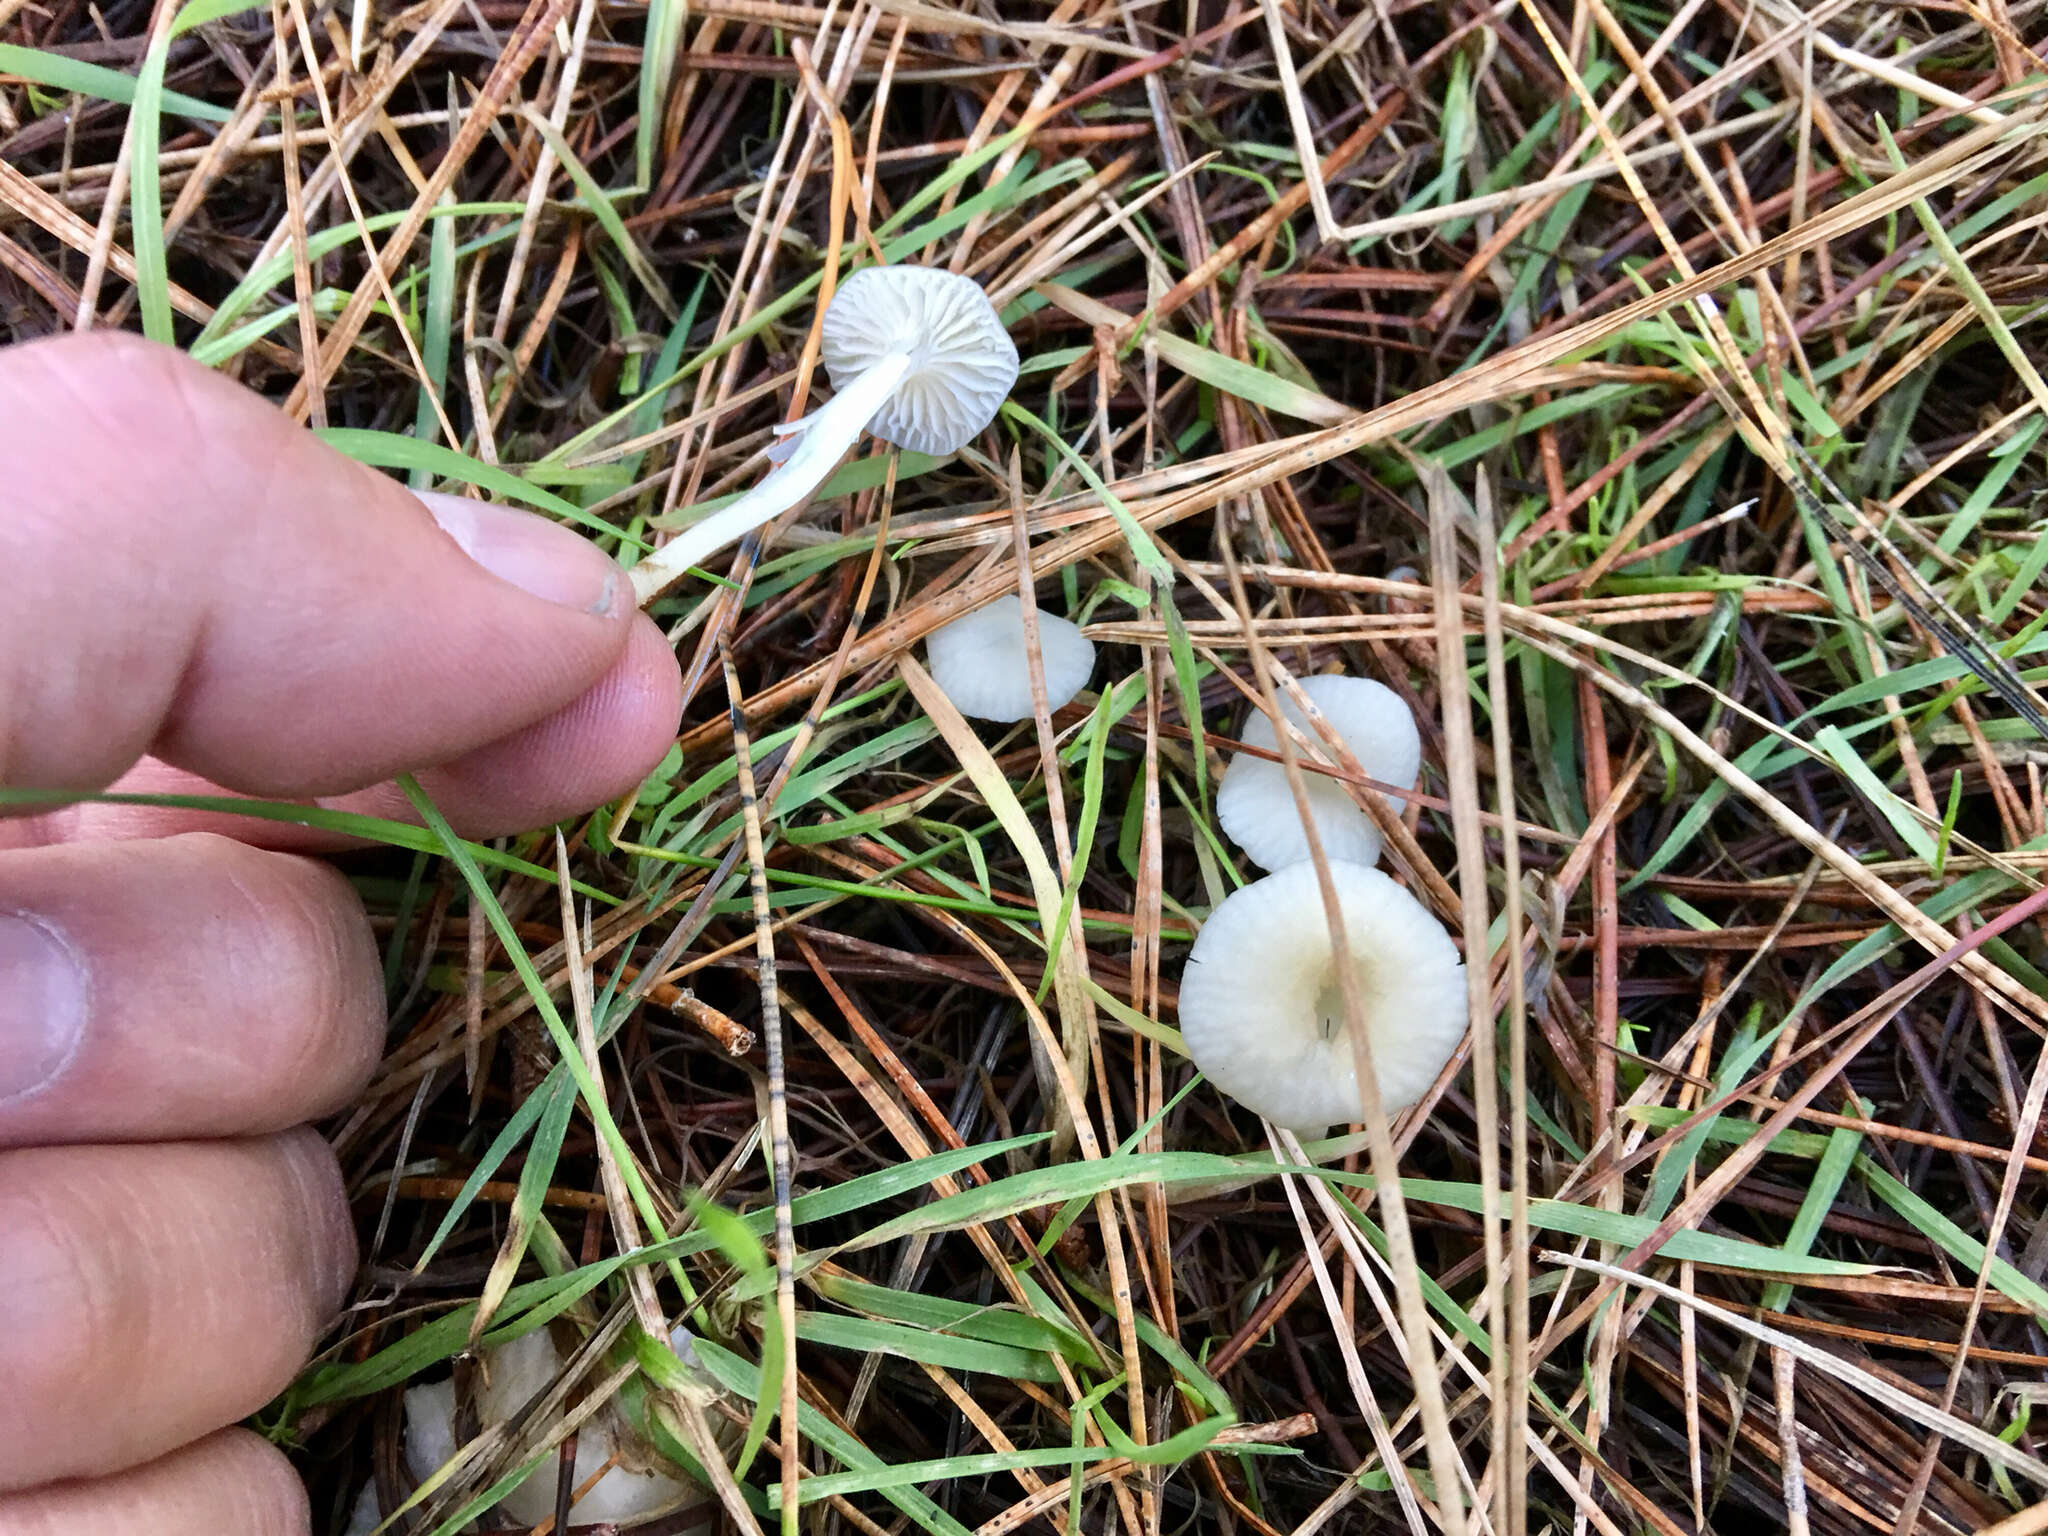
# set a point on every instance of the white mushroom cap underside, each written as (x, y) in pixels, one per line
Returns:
(1257, 808)
(981, 664)
(962, 361)
(1261, 1012)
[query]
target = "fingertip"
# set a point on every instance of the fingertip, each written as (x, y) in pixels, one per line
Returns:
(488, 659)
(256, 606)
(656, 695)
(540, 557)
(597, 749)
(232, 1481)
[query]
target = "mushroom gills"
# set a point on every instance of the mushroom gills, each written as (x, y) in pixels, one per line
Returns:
(1262, 1010)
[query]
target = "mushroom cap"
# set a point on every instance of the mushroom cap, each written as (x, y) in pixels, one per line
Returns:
(429, 1427)
(621, 1497)
(979, 660)
(1262, 1014)
(366, 1516)
(514, 1373)
(1257, 808)
(962, 361)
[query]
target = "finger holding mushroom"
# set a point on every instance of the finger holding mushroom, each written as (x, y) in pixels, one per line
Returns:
(982, 661)
(1262, 1007)
(916, 355)
(1255, 804)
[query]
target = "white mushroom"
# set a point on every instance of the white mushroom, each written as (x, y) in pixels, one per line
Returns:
(1256, 806)
(1262, 1011)
(917, 355)
(429, 1428)
(513, 1374)
(364, 1517)
(983, 665)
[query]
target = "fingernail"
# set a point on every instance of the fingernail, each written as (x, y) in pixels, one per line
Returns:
(42, 1004)
(532, 553)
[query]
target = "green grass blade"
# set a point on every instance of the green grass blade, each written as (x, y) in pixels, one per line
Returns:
(375, 829)
(1952, 1239)
(388, 450)
(601, 207)
(870, 1336)
(63, 73)
(658, 46)
(145, 194)
(437, 331)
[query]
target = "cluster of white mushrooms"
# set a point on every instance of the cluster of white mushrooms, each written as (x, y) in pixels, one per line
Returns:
(920, 358)
(1261, 1001)
(633, 1490)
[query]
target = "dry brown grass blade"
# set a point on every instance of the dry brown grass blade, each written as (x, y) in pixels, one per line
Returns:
(1401, 1480)
(1069, 1059)
(1067, 1065)
(1446, 1467)
(782, 1156)
(1512, 1472)
(2028, 1522)
(1930, 934)
(1901, 1402)
(618, 1204)
(294, 193)
(531, 35)
(1447, 510)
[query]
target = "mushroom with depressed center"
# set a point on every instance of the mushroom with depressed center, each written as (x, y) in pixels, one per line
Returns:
(1256, 805)
(982, 661)
(1262, 1008)
(917, 355)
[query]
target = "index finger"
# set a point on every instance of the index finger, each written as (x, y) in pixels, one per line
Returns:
(188, 573)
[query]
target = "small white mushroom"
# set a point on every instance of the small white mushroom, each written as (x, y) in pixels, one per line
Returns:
(1262, 1011)
(983, 665)
(429, 1428)
(917, 355)
(513, 1374)
(364, 1518)
(1256, 806)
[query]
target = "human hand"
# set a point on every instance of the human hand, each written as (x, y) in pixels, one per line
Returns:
(197, 596)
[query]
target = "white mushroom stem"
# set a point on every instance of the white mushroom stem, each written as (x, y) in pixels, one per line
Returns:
(812, 447)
